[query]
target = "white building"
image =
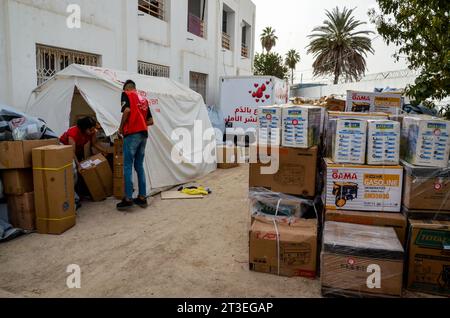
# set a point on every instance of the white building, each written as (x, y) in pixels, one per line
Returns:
(191, 41)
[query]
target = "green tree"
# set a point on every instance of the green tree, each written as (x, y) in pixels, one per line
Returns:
(268, 39)
(292, 59)
(420, 29)
(339, 48)
(270, 64)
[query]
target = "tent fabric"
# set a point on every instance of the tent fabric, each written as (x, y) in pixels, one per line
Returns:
(173, 106)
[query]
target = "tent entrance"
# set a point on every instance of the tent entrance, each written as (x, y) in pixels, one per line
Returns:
(79, 108)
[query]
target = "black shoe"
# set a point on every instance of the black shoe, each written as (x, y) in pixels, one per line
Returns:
(141, 202)
(125, 205)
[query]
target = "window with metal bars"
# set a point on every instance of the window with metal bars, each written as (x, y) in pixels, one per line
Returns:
(51, 60)
(151, 69)
(154, 8)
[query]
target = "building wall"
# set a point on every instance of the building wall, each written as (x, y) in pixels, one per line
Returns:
(115, 30)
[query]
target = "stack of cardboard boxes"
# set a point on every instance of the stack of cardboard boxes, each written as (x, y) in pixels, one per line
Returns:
(425, 154)
(283, 233)
(17, 178)
(363, 187)
(118, 176)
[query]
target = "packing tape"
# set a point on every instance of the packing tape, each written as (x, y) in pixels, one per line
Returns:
(278, 245)
(54, 169)
(62, 219)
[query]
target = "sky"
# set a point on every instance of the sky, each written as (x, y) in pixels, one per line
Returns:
(293, 21)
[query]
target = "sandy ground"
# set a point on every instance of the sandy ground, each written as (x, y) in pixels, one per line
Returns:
(183, 248)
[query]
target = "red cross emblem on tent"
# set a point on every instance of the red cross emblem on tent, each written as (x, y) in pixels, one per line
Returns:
(295, 122)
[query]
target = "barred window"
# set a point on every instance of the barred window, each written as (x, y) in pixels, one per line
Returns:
(198, 82)
(51, 60)
(154, 8)
(151, 69)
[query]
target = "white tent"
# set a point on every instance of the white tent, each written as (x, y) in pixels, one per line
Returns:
(85, 90)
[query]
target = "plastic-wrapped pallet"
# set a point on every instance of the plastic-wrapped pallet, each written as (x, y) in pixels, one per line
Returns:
(383, 142)
(301, 126)
(425, 141)
(350, 141)
(269, 125)
(362, 261)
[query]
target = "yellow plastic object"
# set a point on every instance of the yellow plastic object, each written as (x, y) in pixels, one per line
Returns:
(196, 191)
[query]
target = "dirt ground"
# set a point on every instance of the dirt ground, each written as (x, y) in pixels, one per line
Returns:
(183, 248)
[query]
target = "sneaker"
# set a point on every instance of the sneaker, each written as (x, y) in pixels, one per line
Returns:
(141, 202)
(125, 205)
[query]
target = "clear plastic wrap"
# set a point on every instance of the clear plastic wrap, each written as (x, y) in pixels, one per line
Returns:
(361, 261)
(270, 204)
(426, 192)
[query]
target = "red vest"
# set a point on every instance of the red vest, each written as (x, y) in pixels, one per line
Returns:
(138, 113)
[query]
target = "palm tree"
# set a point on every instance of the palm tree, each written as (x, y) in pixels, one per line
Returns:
(338, 48)
(292, 59)
(268, 39)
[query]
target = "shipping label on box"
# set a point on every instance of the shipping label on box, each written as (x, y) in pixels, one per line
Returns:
(429, 257)
(363, 188)
(98, 177)
(426, 142)
(383, 142)
(350, 141)
(301, 126)
(269, 125)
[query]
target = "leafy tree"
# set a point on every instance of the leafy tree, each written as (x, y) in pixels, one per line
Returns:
(421, 31)
(270, 64)
(339, 48)
(268, 39)
(292, 59)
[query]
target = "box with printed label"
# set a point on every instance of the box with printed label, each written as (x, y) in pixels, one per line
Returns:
(429, 257)
(426, 141)
(361, 260)
(362, 187)
(383, 147)
(350, 141)
(98, 177)
(284, 249)
(301, 126)
(391, 103)
(269, 125)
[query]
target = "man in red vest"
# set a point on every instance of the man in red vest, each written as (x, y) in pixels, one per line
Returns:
(136, 118)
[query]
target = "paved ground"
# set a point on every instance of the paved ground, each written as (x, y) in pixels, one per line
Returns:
(189, 248)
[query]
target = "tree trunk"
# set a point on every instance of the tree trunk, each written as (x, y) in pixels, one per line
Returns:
(292, 75)
(336, 74)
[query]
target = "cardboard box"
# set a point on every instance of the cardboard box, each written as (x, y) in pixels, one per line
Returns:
(98, 177)
(17, 154)
(227, 157)
(269, 125)
(21, 210)
(351, 252)
(54, 189)
(383, 147)
(119, 188)
(397, 221)
(426, 141)
(426, 188)
(17, 181)
(284, 249)
(301, 126)
(429, 257)
(350, 141)
(389, 103)
(296, 173)
(362, 187)
(335, 104)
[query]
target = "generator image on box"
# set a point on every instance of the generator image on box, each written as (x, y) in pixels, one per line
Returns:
(345, 191)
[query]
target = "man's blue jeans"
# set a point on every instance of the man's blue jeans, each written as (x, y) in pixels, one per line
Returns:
(133, 154)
